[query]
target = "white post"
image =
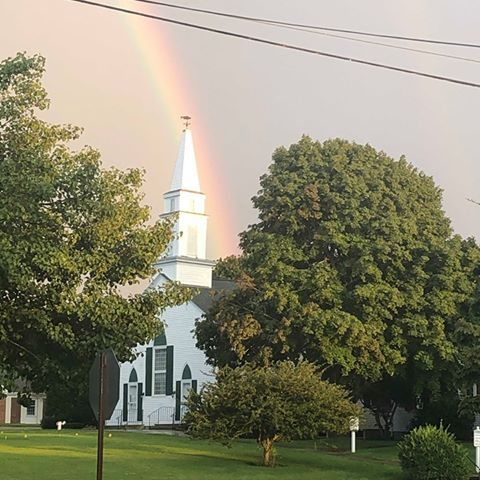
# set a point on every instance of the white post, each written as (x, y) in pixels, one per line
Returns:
(476, 444)
(354, 426)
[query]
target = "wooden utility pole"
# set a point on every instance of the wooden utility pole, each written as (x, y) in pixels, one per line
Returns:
(101, 414)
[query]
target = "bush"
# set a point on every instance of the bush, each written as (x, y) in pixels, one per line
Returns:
(431, 453)
(50, 423)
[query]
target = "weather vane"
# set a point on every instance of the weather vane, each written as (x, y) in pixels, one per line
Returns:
(186, 120)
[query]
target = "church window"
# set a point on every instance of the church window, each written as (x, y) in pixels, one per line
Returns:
(160, 371)
(192, 241)
(31, 408)
(133, 376)
(172, 204)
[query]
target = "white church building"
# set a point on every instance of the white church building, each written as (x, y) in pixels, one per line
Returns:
(153, 388)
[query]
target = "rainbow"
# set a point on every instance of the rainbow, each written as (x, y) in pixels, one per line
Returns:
(174, 99)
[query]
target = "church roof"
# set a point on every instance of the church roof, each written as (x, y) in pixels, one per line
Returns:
(185, 176)
(206, 296)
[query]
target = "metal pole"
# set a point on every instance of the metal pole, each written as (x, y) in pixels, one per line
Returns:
(101, 415)
(353, 441)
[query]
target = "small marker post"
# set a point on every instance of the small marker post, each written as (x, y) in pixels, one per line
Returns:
(354, 427)
(476, 444)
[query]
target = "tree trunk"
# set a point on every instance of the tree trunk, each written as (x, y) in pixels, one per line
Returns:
(268, 455)
(384, 420)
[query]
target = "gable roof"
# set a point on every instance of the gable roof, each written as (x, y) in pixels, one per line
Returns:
(206, 296)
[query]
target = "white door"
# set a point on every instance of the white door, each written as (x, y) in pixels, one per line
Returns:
(186, 387)
(132, 402)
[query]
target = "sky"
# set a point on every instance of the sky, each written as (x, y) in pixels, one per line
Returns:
(127, 81)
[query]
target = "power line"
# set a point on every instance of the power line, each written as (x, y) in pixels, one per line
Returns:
(371, 42)
(313, 27)
(282, 45)
(317, 30)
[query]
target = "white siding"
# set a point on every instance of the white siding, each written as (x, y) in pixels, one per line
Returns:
(179, 323)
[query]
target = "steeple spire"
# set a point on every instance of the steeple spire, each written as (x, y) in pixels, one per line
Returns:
(185, 260)
(185, 176)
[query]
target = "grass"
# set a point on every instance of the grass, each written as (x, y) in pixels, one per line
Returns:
(71, 455)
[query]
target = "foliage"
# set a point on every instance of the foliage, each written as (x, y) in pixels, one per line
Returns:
(229, 268)
(280, 402)
(72, 236)
(352, 265)
(449, 410)
(431, 453)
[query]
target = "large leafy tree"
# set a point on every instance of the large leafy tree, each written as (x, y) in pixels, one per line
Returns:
(352, 265)
(72, 236)
(275, 403)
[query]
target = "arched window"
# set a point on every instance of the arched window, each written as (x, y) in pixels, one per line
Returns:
(160, 365)
(187, 373)
(133, 376)
(160, 341)
(186, 383)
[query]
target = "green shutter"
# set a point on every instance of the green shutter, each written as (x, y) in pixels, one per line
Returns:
(178, 395)
(148, 373)
(140, 403)
(169, 375)
(194, 386)
(125, 402)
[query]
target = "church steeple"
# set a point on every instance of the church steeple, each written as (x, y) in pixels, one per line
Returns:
(186, 257)
(185, 176)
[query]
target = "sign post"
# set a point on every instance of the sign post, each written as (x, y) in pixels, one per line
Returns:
(104, 391)
(354, 427)
(101, 414)
(476, 444)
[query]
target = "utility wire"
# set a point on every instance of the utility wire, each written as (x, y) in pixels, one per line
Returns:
(316, 30)
(371, 42)
(282, 45)
(313, 27)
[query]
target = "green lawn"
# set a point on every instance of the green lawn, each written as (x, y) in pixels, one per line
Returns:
(71, 455)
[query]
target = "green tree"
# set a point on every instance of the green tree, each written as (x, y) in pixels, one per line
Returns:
(352, 265)
(280, 402)
(72, 236)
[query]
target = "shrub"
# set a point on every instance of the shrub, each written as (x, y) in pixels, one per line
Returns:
(50, 423)
(431, 453)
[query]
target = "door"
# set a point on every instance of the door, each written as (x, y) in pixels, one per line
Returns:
(14, 411)
(132, 402)
(186, 387)
(3, 406)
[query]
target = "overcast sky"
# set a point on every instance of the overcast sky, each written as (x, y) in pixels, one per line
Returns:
(128, 81)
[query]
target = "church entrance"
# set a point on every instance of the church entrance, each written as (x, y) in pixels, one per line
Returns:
(186, 387)
(132, 400)
(132, 403)
(15, 410)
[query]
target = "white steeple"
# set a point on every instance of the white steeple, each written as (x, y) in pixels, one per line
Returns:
(185, 176)
(185, 259)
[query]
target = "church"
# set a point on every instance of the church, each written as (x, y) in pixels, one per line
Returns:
(153, 388)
